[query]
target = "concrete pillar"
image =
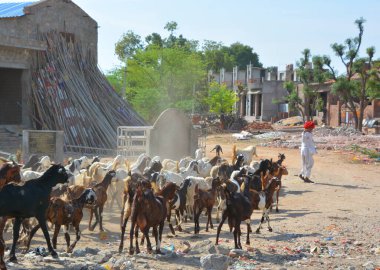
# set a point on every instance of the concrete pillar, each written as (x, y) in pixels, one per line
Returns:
(257, 106)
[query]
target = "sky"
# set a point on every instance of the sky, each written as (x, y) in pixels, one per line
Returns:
(277, 30)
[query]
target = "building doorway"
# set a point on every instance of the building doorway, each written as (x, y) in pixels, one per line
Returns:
(10, 96)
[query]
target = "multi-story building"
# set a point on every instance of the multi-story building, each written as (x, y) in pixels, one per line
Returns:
(260, 90)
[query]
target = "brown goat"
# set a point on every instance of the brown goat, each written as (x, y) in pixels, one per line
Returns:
(64, 213)
(101, 198)
(204, 199)
(130, 186)
(148, 211)
(168, 192)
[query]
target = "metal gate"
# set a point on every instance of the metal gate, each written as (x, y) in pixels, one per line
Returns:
(133, 141)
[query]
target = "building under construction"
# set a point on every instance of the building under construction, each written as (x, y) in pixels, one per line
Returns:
(49, 78)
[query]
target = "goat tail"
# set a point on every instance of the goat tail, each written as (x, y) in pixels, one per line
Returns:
(233, 154)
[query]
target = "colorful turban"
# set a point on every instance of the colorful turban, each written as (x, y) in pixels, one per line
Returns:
(309, 125)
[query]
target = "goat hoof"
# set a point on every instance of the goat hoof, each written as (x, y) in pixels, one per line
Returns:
(54, 254)
(137, 251)
(12, 259)
(270, 229)
(120, 249)
(277, 210)
(131, 251)
(158, 251)
(257, 231)
(247, 243)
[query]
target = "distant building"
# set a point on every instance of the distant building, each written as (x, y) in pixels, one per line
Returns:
(260, 91)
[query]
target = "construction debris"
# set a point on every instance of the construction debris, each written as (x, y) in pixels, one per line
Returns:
(254, 126)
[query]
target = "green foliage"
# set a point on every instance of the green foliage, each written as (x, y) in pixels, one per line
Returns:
(345, 89)
(171, 71)
(216, 56)
(115, 78)
(127, 46)
(369, 152)
(294, 101)
(220, 99)
(243, 55)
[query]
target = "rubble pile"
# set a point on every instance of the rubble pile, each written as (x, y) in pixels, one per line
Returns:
(291, 121)
(257, 126)
(339, 131)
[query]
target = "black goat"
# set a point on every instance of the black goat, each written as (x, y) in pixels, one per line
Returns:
(225, 170)
(178, 204)
(30, 200)
(239, 208)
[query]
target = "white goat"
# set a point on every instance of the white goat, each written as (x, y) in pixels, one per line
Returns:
(28, 175)
(247, 152)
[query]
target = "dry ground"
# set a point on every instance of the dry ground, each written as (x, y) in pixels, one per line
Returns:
(338, 218)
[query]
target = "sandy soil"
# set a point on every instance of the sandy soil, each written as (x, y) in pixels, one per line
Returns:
(332, 224)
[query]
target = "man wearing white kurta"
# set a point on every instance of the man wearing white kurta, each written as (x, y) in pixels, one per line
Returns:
(308, 149)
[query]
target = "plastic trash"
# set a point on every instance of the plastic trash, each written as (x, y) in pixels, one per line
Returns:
(170, 247)
(41, 251)
(331, 252)
(329, 238)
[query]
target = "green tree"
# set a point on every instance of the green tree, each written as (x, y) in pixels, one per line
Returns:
(368, 78)
(216, 56)
(344, 87)
(128, 45)
(221, 100)
(243, 55)
(294, 101)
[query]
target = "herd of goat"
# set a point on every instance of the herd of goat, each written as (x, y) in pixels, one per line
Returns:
(147, 191)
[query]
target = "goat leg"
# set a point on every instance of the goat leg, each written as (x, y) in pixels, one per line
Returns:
(160, 229)
(168, 217)
(2, 247)
(95, 210)
(44, 229)
(209, 216)
(90, 219)
(224, 216)
(155, 233)
(57, 228)
(16, 234)
(2, 263)
(123, 226)
(249, 230)
(148, 243)
(267, 218)
(31, 234)
(101, 218)
(131, 249)
(261, 222)
(67, 238)
(137, 240)
(277, 195)
(77, 232)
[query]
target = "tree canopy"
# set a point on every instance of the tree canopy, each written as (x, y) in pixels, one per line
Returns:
(172, 71)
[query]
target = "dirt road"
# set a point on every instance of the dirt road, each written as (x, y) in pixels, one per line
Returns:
(331, 224)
